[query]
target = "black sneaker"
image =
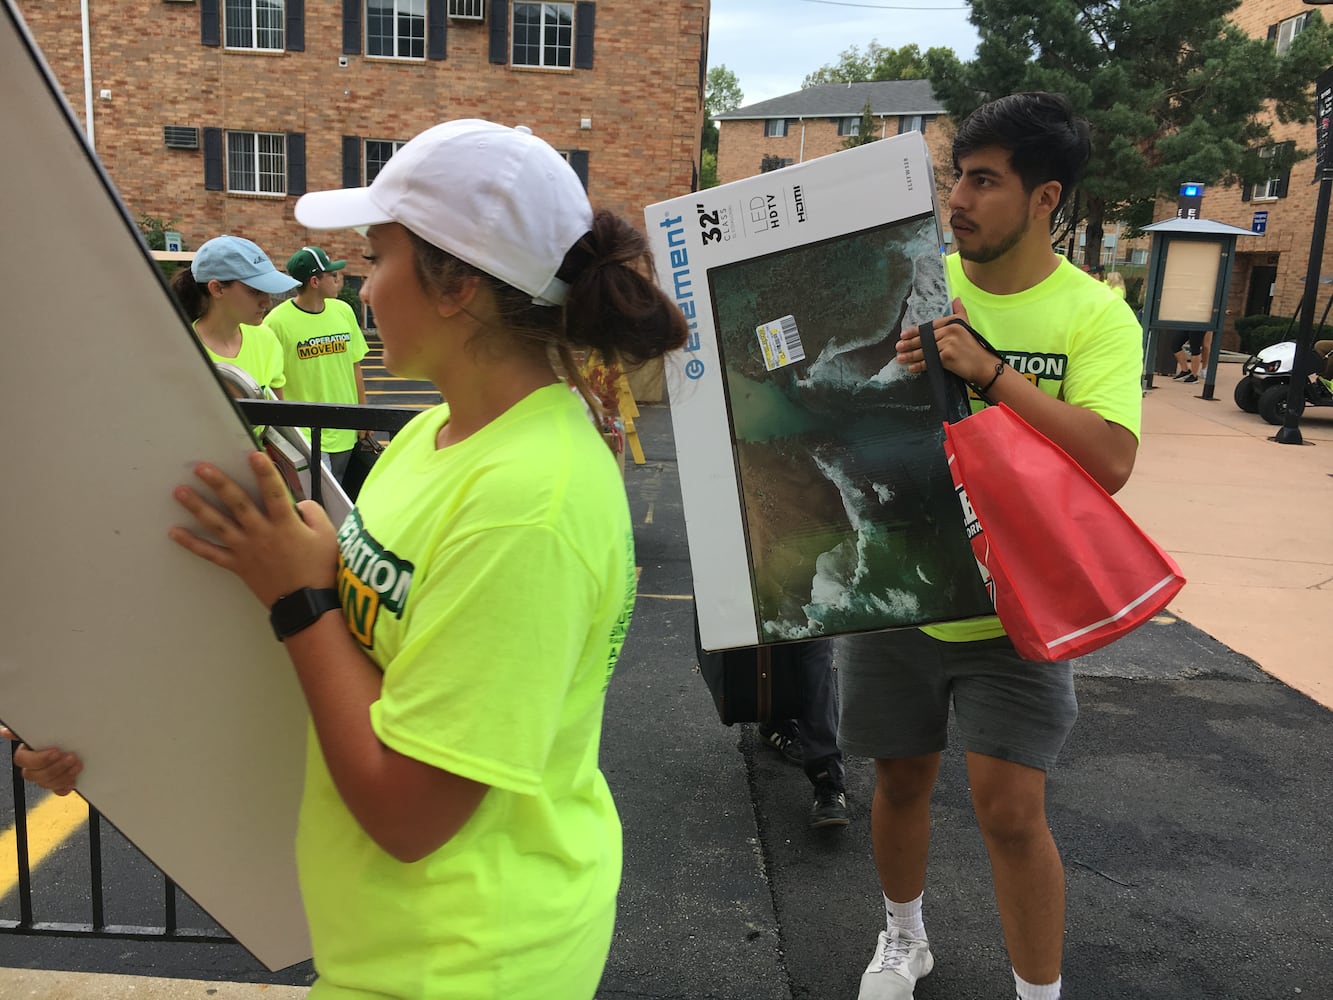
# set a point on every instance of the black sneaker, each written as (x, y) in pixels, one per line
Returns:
(1190, 378)
(785, 739)
(1179, 375)
(830, 808)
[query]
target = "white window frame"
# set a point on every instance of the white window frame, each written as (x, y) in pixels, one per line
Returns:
(467, 10)
(266, 153)
(912, 123)
(1267, 190)
(231, 24)
(849, 126)
(396, 145)
(404, 42)
(1289, 29)
(775, 128)
(549, 53)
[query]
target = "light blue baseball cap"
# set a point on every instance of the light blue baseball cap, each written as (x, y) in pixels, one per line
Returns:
(233, 258)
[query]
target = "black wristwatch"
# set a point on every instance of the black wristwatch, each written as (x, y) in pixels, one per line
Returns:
(300, 609)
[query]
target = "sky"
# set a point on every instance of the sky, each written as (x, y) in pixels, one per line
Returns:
(771, 45)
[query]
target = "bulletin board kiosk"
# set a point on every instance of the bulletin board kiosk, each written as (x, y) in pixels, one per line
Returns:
(1189, 275)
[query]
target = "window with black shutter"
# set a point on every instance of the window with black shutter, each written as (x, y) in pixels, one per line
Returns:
(1280, 157)
(544, 35)
(213, 176)
(352, 161)
(296, 163)
(436, 29)
(500, 31)
(584, 17)
(210, 23)
(352, 27)
(295, 25)
(578, 159)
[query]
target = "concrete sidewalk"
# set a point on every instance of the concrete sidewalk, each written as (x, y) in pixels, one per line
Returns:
(1249, 522)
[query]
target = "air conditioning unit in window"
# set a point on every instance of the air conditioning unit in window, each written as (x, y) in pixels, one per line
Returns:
(180, 137)
(467, 10)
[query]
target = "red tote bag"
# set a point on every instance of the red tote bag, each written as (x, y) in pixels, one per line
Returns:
(1067, 568)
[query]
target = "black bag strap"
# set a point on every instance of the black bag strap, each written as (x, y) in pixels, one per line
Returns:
(935, 373)
(939, 378)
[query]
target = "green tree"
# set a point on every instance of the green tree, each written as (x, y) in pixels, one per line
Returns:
(1173, 90)
(865, 133)
(876, 63)
(707, 169)
(722, 92)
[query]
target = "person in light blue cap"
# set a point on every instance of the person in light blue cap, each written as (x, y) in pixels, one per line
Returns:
(225, 292)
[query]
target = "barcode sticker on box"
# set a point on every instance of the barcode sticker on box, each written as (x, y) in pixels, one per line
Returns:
(780, 343)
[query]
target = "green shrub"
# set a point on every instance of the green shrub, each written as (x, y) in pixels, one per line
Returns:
(1258, 332)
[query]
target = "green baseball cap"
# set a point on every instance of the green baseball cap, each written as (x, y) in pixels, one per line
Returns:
(310, 261)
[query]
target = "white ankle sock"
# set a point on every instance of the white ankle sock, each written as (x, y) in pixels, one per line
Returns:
(906, 917)
(1029, 991)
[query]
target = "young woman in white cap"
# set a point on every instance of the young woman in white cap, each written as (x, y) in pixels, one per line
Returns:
(457, 838)
(226, 292)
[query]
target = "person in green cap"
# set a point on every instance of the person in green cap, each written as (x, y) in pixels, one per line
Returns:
(322, 346)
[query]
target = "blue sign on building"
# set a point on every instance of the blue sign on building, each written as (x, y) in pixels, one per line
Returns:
(1260, 222)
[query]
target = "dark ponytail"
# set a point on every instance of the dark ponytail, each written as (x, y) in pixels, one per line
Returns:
(615, 306)
(193, 296)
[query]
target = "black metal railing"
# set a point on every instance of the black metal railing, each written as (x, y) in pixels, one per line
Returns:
(259, 412)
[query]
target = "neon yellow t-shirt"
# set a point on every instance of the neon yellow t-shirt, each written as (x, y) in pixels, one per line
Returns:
(1071, 336)
(320, 352)
(260, 356)
(492, 582)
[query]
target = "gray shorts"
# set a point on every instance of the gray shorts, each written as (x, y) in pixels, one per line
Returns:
(896, 686)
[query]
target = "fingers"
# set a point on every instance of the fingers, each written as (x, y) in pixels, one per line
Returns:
(218, 555)
(237, 511)
(234, 500)
(272, 489)
(316, 518)
(57, 772)
(53, 769)
(274, 547)
(910, 353)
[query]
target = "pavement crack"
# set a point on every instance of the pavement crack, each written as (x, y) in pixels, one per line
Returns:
(765, 858)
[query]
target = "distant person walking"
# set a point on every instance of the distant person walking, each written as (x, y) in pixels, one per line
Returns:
(322, 346)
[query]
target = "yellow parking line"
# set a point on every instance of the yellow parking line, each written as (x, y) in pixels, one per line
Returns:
(50, 824)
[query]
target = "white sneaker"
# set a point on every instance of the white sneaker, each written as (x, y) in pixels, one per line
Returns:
(898, 963)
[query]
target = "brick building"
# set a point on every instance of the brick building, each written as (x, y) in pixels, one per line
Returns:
(817, 121)
(217, 114)
(1269, 274)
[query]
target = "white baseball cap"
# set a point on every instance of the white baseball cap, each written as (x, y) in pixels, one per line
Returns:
(496, 197)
